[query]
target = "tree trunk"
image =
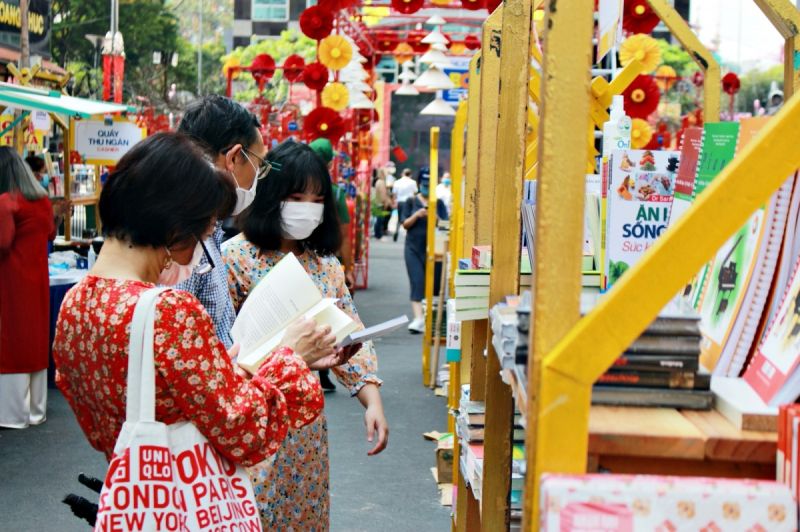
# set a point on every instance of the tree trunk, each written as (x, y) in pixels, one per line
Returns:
(24, 37)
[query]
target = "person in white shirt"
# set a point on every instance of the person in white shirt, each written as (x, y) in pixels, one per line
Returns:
(405, 187)
(443, 191)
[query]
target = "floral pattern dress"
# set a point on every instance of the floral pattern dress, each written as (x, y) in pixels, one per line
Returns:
(292, 487)
(245, 420)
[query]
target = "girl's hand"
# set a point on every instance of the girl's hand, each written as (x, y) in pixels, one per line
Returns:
(375, 422)
(339, 357)
(309, 340)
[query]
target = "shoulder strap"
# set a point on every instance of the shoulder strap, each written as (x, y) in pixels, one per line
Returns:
(141, 400)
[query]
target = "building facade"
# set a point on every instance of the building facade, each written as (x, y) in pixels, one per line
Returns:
(265, 18)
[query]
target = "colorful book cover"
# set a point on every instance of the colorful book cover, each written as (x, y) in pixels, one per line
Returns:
(640, 190)
(687, 171)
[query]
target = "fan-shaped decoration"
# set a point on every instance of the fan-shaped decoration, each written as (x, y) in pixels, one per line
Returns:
(262, 69)
(472, 5)
(336, 96)
(666, 77)
(323, 122)
(638, 17)
(403, 53)
(641, 97)
(731, 83)
(316, 22)
(641, 47)
(407, 7)
(315, 76)
(335, 52)
(385, 41)
(641, 133)
(415, 40)
(293, 68)
(491, 5)
(230, 63)
(458, 48)
(472, 42)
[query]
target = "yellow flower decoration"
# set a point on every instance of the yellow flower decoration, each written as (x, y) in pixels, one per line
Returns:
(458, 48)
(336, 96)
(666, 77)
(335, 52)
(403, 53)
(641, 47)
(231, 62)
(641, 133)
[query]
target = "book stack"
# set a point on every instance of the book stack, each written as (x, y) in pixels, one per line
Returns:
(661, 368)
(470, 422)
(503, 320)
(472, 292)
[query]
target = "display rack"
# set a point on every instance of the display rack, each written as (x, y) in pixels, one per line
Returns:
(556, 397)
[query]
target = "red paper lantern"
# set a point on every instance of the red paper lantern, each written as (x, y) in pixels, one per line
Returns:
(262, 69)
(407, 7)
(638, 17)
(316, 22)
(641, 97)
(293, 68)
(472, 5)
(472, 42)
(731, 83)
(323, 122)
(414, 38)
(491, 5)
(315, 76)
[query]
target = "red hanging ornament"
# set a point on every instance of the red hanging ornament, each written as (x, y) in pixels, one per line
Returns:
(316, 22)
(731, 83)
(293, 68)
(365, 118)
(315, 76)
(641, 97)
(698, 79)
(472, 42)
(262, 69)
(639, 17)
(407, 7)
(323, 122)
(385, 41)
(472, 5)
(414, 38)
(491, 5)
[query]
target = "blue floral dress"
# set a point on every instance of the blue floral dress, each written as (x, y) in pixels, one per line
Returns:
(292, 487)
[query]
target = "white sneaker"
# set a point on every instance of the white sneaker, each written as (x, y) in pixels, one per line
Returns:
(417, 326)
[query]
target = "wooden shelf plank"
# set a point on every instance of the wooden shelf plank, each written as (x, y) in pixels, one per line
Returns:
(726, 442)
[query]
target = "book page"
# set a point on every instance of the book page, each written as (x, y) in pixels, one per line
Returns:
(376, 331)
(341, 323)
(282, 296)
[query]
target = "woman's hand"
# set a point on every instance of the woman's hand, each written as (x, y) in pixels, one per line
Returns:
(311, 341)
(339, 357)
(422, 213)
(376, 423)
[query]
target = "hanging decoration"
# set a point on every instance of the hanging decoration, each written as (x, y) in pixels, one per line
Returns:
(731, 83)
(407, 7)
(472, 5)
(472, 42)
(666, 77)
(323, 122)
(403, 53)
(385, 41)
(336, 96)
(458, 48)
(662, 139)
(293, 68)
(641, 97)
(230, 63)
(643, 48)
(315, 76)
(316, 22)
(639, 17)
(641, 133)
(262, 69)
(365, 118)
(698, 79)
(491, 5)
(335, 52)
(415, 38)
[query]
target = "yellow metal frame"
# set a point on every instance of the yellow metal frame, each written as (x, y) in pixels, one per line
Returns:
(785, 17)
(430, 259)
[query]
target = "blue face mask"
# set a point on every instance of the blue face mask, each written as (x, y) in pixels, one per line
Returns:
(45, 181)
(446, 182)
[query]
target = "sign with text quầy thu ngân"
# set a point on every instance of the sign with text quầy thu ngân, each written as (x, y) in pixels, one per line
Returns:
(100, 143)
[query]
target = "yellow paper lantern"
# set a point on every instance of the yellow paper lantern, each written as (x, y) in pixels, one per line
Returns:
(336, 96)
(335, 52)
(666, 77)
(403, 53)
(641, 133)
(641, 47)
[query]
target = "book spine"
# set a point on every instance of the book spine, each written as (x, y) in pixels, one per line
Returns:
(652, 397)
(674, 328)
(656, 363)
(686, 380)
(665, 345)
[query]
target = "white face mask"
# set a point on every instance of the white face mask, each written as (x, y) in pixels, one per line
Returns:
(300, 218)
(244, 197)
(177, 273)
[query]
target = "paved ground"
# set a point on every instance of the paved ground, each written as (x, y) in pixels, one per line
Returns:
(391, 492)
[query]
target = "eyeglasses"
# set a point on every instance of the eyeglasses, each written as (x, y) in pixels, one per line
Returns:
(205, 268)
(264, 166)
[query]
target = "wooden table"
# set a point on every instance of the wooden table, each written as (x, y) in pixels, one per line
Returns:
(666, 441)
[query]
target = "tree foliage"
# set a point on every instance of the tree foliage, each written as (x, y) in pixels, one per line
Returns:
(755, 85)
(676, 57)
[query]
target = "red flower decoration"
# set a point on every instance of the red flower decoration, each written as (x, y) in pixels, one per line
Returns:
(472, 42)
(315, 76)
(323, 122)
(731, 83)
(365, 117)
(385, 41)
(491, 5)
(472, 5)
(293, 67)
(641, 97)
(262, 69)
(407, 7)
(415, 40)
(698, 78)
(638, 17)
(316, 22)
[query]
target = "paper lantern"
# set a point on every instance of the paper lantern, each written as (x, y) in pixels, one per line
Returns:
(403, 53)
(323, 122)
(472, 5)
(641, 97)
(641, 133)
(316, 22)
(731, 83)
(643, 48)
(335, 52)
(407, 7)
(666, 77)
(262, 69)
(293, 68)
(336, 96)
(638, 17)
(315, 76)
(415, 38)
(472, 42)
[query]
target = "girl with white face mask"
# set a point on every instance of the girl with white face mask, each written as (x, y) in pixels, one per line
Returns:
(295, 211)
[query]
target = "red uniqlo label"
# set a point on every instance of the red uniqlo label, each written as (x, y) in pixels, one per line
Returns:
(155, 463)
(119, 470)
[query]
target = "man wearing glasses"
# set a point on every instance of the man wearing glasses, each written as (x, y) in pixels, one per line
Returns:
(230, 132)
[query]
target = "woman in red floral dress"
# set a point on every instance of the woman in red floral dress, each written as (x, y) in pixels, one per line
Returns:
(156, 208)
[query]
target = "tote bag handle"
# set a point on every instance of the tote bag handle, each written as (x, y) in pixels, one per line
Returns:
(141, 400)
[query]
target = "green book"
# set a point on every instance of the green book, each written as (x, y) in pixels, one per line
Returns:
(719, 148)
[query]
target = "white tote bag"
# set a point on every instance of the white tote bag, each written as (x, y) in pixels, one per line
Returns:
(168, 477)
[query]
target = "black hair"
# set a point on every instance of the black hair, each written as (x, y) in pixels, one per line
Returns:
(36, 163)
(164, 192)
(300, 170)
(219, 123)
